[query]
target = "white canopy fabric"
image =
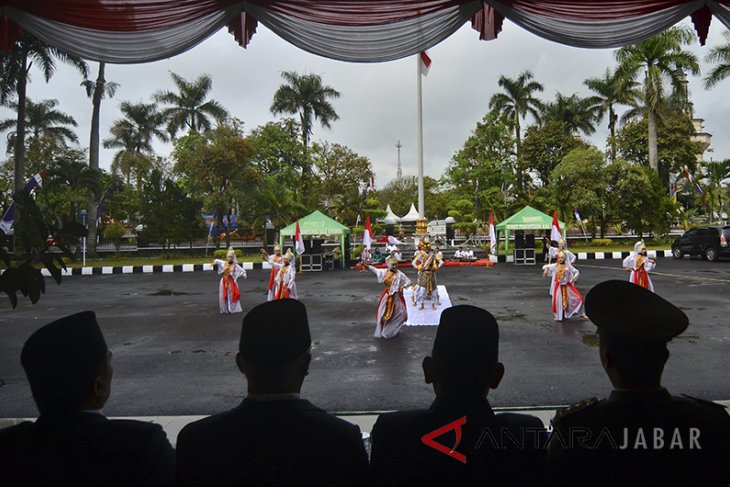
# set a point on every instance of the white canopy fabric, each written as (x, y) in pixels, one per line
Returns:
(411, 216)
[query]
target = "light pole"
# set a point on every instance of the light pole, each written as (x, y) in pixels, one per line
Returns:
(83, 239)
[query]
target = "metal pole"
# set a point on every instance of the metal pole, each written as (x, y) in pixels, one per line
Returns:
(419, 128)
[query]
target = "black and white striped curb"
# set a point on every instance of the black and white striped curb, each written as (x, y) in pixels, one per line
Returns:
(160, 269)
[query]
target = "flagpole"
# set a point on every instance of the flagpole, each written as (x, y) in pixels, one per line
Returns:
(419, 143)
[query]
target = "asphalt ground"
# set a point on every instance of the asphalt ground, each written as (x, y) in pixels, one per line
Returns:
(174, 353)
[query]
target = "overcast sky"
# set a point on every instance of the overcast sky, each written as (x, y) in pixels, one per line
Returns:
(377, 106)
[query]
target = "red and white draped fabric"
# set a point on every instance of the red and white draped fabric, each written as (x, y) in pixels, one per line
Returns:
(135, 31)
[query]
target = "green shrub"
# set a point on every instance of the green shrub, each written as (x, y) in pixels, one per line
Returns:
(602, 242)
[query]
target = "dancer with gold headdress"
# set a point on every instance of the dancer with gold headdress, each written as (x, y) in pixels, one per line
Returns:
(427, 262)
(567, 301)
(272, 259)
(285, 281)
(640, 265)
(392, 313)
(229, 296)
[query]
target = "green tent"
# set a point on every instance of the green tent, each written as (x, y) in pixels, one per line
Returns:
(316, 224)
(528, 218)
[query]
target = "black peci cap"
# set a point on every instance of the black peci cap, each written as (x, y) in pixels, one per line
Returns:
(274, 333)
(71, 348)
(466, 334)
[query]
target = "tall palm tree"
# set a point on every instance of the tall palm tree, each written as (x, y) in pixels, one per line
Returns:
(133, 135)
(14, 77)
(188, 107)
(516, 102)
(611, 90)
(73, 175)
(96, 90)
(714, 174)
(721, 56)
(48, 131)
(304, 94)
(576, 113)
(660, 58)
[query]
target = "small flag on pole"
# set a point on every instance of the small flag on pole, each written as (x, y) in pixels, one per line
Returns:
(299, 242)
(367, 236)
(6, 223)
(555, 233)
(425, 63)
(492, 236)
(577, 215)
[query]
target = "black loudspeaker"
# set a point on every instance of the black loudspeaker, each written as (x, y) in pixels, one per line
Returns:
(313, 245)
(530, 241)
(449, 231)
(389, 230)
(347, 252)
(519, 241)
(269, 237)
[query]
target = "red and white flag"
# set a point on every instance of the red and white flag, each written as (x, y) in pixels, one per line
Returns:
(425, 63)
(298, 241)
(367, 236)
(8, 218)
(492, 236)
(555, 233)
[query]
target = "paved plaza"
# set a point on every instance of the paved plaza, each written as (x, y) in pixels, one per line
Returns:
(174, 353)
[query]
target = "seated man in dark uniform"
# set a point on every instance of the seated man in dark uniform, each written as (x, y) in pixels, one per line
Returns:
(72, 443)
(459, 440)
(640, 435)
(273, 438)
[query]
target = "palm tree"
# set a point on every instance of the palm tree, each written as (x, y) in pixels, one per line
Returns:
(73, 175)
(96, 90)
(714, 174)
(14, 78)
(48, 131)
(189, 108)
(576, 113)
(721, 56)
(611, 90)
(305, 95)
(658, 58)
(134, 135)
(516, 102)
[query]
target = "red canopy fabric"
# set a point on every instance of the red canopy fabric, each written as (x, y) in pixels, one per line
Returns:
(134, 31)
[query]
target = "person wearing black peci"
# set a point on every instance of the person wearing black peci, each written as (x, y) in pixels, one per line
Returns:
(69, 370)
(273, 438)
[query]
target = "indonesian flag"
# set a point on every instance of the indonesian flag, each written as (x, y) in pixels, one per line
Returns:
(6, 223)
(691, 180)
(492, 236)
(425, 63)
(555, 233)
(298, 241)
(367, 236)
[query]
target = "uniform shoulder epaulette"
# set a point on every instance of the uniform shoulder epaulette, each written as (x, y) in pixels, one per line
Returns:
(576, 407)
(704, 401)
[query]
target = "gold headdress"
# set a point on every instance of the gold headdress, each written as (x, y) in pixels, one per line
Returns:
(288, 256)
(231, 253)
(391, 261)
(276, 247)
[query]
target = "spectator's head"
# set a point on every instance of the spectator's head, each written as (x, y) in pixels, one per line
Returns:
(464, 358)
(68, 365)
(274, 347)
(634, 326)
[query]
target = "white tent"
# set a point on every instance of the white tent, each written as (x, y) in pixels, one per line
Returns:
(391, 215)
(411, 216)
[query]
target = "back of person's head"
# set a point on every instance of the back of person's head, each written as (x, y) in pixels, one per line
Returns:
(62, 360)
(274, 345)
(465, 352)
(634, 326)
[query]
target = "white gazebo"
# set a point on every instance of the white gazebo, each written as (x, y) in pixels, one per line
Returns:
(390, 215)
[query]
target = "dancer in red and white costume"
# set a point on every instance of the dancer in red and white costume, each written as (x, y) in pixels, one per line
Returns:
(567, 301)
(640, 265)
(229, 296)
(392, 313)
(286, 286)
(272, 259)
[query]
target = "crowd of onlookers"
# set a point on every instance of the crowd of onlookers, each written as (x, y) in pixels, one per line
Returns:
(640, 435)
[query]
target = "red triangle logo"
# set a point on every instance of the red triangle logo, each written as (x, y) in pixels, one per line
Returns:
(428, 439)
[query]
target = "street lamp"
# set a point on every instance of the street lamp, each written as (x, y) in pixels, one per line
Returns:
(83, 239)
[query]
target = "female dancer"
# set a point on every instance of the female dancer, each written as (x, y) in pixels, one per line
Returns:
(229, 296)
(391, 314)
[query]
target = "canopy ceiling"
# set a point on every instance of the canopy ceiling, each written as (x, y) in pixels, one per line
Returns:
(135, 31)
(528, 218)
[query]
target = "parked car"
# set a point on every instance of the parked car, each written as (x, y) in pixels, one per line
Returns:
(709, 242)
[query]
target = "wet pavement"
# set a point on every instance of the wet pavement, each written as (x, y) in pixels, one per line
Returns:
(174, 353)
